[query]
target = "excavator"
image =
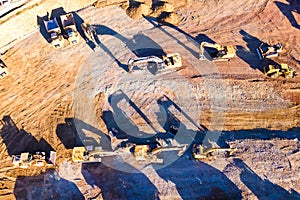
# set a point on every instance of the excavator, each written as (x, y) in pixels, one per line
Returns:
(275, 70)
(90, 154)
(266, 50)
(3, 69)
(200, 152)
(216, 52)
(168, 61)
(148, 153)
(27, 160)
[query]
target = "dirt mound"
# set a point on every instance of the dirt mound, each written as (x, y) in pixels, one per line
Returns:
(136, 10)
(169, 18)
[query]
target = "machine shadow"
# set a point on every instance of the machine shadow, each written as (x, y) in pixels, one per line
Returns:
(250, 57)
(116, 184)
(67, 134)
(48, 185)
(18, 140)
(288, 9)
(194, 180)
(262, 188)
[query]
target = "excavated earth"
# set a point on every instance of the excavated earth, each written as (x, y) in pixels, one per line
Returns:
(52, 98)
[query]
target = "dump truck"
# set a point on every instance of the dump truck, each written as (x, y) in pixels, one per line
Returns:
(168, 61)
(90, 154)
(39, 159)
(53, 29)
(216, 52)
(200, 152)
(68, 24)
(3, 69)
(266, 50)
(275, 70)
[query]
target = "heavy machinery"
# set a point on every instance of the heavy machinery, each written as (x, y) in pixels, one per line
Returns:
(275, 70)
(200, 152)
(216, 52)
(90, 154)
(68, 24)
(168, 61)
(26, 160)
(266, 50)
(148, 152)
(53, 29)
(89, 31)
(3, 69)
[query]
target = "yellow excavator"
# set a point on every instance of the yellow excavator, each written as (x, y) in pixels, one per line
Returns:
(89, 154)
(275, 70)
(216, 52)
(266, 50)
(200, 152)
(147, 154)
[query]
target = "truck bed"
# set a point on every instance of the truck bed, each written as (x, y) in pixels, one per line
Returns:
(51, 25)
(67, 20)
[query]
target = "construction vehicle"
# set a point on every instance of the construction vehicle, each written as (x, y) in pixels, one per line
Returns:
(200, 152)
(275, 70)
(168, 61)
(89, 31)
(3, 69)
(148, 153)
(26, 160)
(90, 154)
(53, 29)
(266, 50)
(216, 52)
(68, 24)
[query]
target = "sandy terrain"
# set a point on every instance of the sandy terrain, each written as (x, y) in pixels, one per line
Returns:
(52, 98)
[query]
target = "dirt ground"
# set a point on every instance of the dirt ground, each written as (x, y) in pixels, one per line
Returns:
(53, 95)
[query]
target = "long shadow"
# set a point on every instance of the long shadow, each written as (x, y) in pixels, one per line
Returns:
(260, 134)
(123, 123)
(198, 180)
(137, 45)
(18, 140)
(250, 56)
(288, 9)
(48, 185)
(43, 30)
(117, 184)
(154, 22)
(67, 134)
(263, 189)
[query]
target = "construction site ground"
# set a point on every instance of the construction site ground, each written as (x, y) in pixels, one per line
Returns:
(48, 90)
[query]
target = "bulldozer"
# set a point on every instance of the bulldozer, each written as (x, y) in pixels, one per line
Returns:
(266, 50)
(216, 52)
(68, 24)
(89, 154)
(202, 153)
(275, 70)
(27, 160)
(53, 29)
(3, 69)
(168, 61)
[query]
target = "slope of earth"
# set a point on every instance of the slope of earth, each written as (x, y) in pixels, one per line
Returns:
(37, 105)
